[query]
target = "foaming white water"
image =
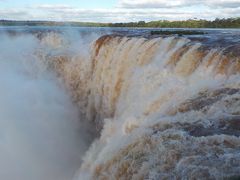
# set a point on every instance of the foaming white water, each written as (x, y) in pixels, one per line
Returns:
(41, 135)
(166, 108)
(163, 107)
(161, 102)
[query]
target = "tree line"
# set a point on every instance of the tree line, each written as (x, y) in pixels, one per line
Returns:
(190, 23)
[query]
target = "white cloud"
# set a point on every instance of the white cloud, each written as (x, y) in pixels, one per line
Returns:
(13, 14)
(126, 11)
(52, 6)
(108, 15)
(137, 4)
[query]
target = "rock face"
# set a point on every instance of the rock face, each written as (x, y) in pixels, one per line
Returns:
(166, 108)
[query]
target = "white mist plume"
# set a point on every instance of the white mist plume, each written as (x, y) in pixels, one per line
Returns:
(41, 136)
(168, 108)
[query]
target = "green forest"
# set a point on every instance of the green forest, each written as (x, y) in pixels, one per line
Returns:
(191, 23)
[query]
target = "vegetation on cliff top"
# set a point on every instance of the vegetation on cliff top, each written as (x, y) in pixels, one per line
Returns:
(191, 23)
(180, 33)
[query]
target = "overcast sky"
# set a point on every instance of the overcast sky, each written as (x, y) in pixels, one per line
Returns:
(117, 10)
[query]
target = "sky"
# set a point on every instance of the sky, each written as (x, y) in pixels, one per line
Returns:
(117, 10)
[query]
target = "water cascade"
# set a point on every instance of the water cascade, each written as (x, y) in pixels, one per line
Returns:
(165, 107)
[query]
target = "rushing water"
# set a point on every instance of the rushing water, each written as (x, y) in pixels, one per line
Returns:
(77, 102)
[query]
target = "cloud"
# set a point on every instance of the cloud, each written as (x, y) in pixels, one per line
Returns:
(139, 4)
(178, 11)
(143, 4)
(13, 13)
(51, 6)
(128, 11)
(64, 13)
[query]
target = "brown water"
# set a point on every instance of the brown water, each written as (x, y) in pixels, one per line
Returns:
(158, 107)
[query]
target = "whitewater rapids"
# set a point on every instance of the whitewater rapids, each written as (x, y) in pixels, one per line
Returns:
(159, 108)
(166, 108)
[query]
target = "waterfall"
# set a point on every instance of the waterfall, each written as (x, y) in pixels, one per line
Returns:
(164, 107)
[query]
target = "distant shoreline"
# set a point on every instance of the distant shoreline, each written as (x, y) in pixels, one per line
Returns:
(191, 23)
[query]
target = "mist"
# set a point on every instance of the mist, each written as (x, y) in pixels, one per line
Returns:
(41, 135)
(76, 106)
